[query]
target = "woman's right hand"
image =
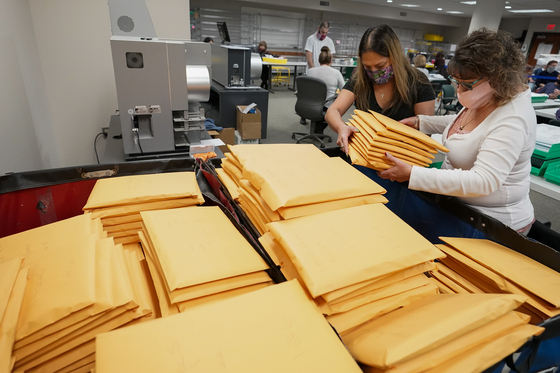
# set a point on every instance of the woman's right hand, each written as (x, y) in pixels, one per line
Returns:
(411, 122)
(343, 134)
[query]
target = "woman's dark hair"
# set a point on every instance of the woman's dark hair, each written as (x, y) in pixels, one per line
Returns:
(325, 57)
(491, 54)
(384, 41)
(208, 39)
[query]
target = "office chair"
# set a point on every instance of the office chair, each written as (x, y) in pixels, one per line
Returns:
(311, 98)
(447, 98)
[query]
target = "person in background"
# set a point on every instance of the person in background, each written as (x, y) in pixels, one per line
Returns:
(313, 47)
(552, 89)
(263, 51)
(383, 81)
(490, 140)
(530, 81)
(208, 39)
(549, 71)
(332, 78)
(420, 64)
(439, 64)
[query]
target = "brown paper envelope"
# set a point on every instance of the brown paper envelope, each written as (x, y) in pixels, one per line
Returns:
(443, 289)
(384, 292)
(141, 286)
(389, 280)
(134, 189)
(236, 334)
(483, 357)
(518, 268)
(82, 363)
(405, 130)
(218, 286)
(124, 234)
(183, 306)
(235, 179)
(425, 325)
(460, 280)
(9, 270)
(10, 318)
(345, 321)
(165, 305)
(368, 132)
(185, 262)
(124, 227)
(317, 208)
(359, 160)
(148, 206)
(279, 256)
(377, 154)
(257, 221)
(487, 333)
(492, 282)
(248, 188)
(232, 169)
(330, 256)
(66, 359)
(380, 147)
(458, 289)
(256, 207)
(233, 159)
(228, 182)
(134, 247)
(338, 293)
(126, 240)
(121, 220)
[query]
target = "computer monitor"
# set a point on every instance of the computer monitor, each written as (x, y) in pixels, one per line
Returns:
(224, 34)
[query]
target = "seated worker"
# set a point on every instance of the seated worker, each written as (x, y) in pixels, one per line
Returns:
(332, 78)
(490, 140)
(552, 88)
(549, 71)
(530, 81)
(420, 64)
(208, 39)
(263, 51)
(383, 81)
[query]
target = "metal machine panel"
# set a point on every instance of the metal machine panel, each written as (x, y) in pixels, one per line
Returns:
(143, 92)
(178, 83)
(231, 65)
(131, 18)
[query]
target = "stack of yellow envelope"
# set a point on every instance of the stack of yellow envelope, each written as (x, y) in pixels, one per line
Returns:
(286, 181)
(196, 255)
(273, 330)
(78, 286)
(443, 333)
(119, 201)
(482, 266)
(13, 280)
(379, 134)
(354, 276)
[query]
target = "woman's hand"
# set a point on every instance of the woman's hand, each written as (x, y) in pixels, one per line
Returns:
(411, 122)
(344, 133)
(399, 172)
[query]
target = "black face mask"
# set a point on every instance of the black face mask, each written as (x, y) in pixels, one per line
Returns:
(558, 82)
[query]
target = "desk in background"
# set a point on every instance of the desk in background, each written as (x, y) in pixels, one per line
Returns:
(547, 104)
(547, 113)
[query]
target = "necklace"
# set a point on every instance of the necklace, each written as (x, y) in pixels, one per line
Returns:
(476, 116)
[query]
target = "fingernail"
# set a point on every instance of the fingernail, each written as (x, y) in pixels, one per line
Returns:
(357, 130)
(386, 154)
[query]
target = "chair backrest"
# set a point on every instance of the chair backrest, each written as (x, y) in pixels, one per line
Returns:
(311, 96)
(448, 91)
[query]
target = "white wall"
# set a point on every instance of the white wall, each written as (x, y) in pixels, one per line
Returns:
(19, 60)
(538, 24)
(57, 87)
(515, 25)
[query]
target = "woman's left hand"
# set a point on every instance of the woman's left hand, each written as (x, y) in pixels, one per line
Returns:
(399, 172)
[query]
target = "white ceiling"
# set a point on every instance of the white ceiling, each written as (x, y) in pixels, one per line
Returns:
(455, 5)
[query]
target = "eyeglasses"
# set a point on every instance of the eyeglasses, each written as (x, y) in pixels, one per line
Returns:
(467, 86)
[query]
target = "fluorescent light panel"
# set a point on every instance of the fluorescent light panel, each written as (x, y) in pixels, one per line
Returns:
(410, 5)
(468, 2)
(454, 12)
(531, 11)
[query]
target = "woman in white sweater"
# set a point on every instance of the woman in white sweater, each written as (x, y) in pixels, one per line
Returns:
(490, 140)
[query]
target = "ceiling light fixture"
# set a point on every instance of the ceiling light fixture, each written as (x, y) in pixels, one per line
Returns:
(410, 5)
(389, 1)
(468, 2)
(439, 8)
(454, 12)
(508, 7)
(531, 11)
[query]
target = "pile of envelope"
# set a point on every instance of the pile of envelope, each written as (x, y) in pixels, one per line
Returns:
(118, 201)
(196, 256)
(285, 181)
(79, 284)
(465, 333)
(357, 263)
(275, 329)
(482, 266)
(13, 280)
(379, 134)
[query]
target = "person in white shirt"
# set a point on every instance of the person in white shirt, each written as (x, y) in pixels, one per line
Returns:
(420, 64)
(490, 140)
(314, 44)
(332, 78)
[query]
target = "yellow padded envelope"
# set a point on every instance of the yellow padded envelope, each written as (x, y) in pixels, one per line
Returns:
(228, 183)
(330, 255)
(276, 329)
(134, 209)
(9, 270)
(198, 245)
(316, 208)
(142, 188)
(520, 269)
(425, 325)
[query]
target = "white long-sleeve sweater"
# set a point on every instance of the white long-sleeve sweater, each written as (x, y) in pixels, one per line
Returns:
(489, 167)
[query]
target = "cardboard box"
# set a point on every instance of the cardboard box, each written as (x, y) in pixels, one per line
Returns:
(239, 140)
(227, 135)
(248, 125)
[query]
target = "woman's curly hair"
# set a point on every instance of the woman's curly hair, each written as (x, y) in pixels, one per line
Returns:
(491, 54)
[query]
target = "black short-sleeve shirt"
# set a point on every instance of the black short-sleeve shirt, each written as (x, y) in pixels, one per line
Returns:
(424, 92)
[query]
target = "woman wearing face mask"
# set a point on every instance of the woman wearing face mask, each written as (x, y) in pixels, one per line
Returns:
(384, 81)
(490, 140)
